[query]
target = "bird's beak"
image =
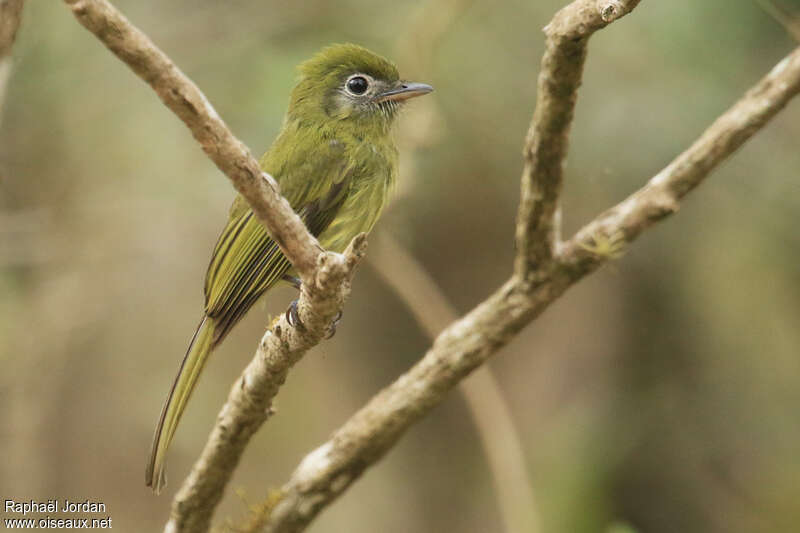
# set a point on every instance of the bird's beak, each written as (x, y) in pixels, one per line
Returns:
(404, 90)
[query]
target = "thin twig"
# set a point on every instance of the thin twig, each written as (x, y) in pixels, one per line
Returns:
(466, 344)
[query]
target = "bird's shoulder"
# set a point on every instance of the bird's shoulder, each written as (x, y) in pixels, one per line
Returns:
(308, 159)
(324, 154)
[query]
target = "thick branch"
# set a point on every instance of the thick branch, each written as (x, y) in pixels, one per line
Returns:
(467, 343)
(482, 392)
(249, 402)
(183, 97)
(361, 441)
(567, 37)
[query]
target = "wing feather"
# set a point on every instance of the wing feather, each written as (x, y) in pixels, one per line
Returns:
(246, 261)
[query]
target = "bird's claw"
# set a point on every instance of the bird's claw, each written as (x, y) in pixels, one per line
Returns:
(332, 328)
(292, 316)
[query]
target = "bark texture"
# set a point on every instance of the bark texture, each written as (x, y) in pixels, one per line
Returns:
(544, 268)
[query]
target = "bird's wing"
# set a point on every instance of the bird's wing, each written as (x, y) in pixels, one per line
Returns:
(246, 261)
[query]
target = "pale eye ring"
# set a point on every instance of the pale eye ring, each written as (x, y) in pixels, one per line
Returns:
(357, 85)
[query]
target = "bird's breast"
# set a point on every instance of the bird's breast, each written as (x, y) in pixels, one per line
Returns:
(371, 179)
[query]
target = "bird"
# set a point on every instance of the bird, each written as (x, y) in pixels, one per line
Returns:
(336, 162)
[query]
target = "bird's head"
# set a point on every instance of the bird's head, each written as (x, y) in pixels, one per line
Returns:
(346, 82)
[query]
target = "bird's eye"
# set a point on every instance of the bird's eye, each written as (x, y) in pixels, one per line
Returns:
(357, 85)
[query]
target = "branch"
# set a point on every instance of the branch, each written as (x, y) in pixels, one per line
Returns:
(466, 344)
(566, 39)
(544, 269)
(469, 342)
(482, 392)
(249, 402)
(662, 194)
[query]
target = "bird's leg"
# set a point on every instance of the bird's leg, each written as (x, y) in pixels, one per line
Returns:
(292, 316)
(292, 280)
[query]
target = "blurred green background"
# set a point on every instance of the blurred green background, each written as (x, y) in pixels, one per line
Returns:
(661, 392)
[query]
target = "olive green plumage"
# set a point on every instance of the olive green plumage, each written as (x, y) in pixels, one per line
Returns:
(335, 162)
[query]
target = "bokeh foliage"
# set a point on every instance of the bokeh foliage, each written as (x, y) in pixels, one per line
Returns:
(662, 392)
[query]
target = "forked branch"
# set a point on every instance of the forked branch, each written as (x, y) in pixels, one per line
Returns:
(544, 267)
(470, 341)
(566, 41)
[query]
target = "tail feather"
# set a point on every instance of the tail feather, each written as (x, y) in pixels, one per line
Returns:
(191, 366)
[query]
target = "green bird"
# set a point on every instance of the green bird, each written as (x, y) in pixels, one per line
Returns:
(336, 162)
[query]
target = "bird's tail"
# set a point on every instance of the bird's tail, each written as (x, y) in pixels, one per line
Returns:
(191, 366)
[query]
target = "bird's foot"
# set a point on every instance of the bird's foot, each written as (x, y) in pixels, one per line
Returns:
(292, 316)
(332, 328)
